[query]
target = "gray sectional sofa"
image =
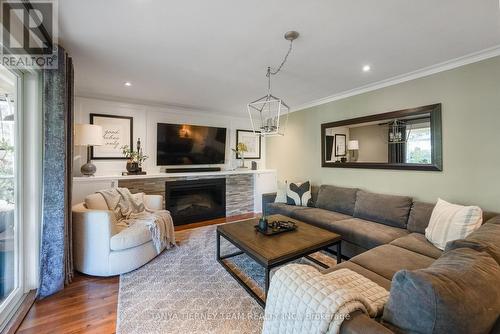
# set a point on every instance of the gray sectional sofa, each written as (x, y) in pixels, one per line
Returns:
(431, 291)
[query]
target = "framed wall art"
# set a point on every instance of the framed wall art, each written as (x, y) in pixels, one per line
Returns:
(252, 142)
(117, 131)
(340, 145)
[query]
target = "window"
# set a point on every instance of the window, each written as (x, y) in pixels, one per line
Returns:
(418, 144)
(11, 270)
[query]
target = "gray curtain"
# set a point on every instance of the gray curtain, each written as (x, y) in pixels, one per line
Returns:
(68, 254)
(56, 267)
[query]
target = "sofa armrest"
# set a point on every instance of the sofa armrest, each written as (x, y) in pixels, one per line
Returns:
(92, 231)
(360, 323)
(266, 199)
(153, 202)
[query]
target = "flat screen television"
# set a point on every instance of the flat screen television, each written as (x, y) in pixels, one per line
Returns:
(184, 144)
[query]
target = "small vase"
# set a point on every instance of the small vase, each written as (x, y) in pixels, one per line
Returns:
(132, 167)
(263, 224)
(242, 162)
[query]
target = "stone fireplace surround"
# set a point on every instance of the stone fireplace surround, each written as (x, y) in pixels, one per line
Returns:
(239, 190)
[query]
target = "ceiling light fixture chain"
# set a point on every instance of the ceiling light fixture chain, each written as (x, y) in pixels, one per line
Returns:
(269, 72)
(283, 62)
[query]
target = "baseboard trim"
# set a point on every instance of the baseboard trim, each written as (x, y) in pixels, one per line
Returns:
(25, 305)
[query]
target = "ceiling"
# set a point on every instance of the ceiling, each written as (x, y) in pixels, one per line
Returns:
(212, 55)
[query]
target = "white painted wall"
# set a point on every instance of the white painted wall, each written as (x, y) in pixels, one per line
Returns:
(471, 114)
(145, 119)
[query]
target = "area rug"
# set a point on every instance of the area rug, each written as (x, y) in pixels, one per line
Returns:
(185, 290)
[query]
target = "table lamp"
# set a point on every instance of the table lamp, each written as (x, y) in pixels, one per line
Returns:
(353, 146)
(88, 135)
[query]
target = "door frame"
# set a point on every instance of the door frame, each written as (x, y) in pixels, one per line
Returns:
(28, 152)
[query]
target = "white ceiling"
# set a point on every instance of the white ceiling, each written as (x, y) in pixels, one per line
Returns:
(213, 55)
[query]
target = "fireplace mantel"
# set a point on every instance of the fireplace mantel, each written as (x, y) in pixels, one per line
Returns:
(77, 179)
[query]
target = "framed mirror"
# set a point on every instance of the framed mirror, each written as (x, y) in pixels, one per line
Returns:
(407, 139)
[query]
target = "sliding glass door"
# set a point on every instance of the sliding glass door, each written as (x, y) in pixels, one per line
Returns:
(11, 266)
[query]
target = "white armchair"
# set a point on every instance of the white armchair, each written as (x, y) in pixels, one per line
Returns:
(100, 247)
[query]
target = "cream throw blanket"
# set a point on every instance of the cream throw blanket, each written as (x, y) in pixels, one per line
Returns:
(130, 211)
(303, 300)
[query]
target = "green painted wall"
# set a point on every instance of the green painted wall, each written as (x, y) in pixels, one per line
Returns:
(470, 97)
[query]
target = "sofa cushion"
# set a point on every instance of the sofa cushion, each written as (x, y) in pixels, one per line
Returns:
(350, 250)
(361, 323)
(486, 238)
(129, 237)
(386, 260)
(494, 220)
(420, 215)
(319, 217)
(385, 209)
(382, 281)
(365, 233)
(95, 202)
(417, 243)
(283, 209)
(491, 217)
(337, 199)
(458, 294)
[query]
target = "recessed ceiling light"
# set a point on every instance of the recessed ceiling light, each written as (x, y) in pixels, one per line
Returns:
(366, 68)
(128, 83)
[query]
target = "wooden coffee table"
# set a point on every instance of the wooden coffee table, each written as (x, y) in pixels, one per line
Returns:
(276, 250)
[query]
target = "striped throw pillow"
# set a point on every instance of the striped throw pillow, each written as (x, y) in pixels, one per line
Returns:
(451, 222)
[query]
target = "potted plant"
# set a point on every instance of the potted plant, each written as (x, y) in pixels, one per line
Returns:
(240, 149)
(135, 159)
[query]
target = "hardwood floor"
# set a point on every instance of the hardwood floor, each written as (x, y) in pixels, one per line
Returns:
(88, 305)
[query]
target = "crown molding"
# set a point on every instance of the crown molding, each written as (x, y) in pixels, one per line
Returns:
(128, 100)
(172, 108)
(423, 72)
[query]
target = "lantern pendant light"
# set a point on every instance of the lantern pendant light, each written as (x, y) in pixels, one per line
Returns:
(269, 114)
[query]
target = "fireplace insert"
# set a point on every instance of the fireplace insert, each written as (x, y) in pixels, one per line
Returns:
(191, 201)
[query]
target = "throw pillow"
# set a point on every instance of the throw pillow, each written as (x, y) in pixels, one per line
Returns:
(281, 193)
(451, 222)
(95, 202)
(299, 194)
(139, 197)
